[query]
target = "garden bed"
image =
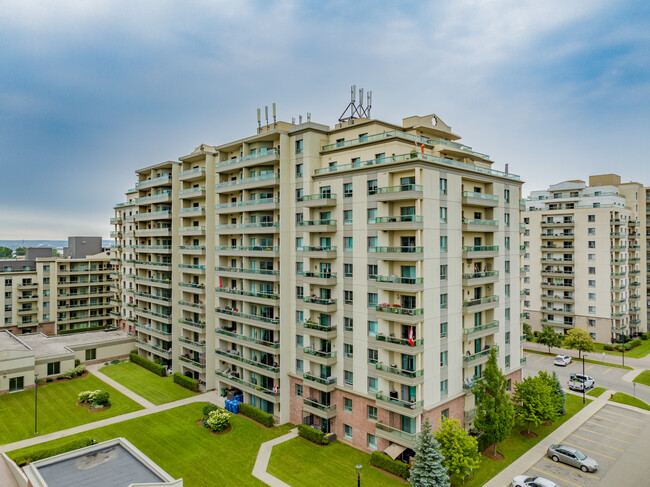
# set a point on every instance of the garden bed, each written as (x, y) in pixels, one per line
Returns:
(214, 433)
(91, 410)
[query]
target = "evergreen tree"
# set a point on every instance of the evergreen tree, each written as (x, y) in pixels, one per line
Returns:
(427, 469)
(6, 253)
(580, 340)
(558, 391)
(549, 338)
(459, 449)
(495, 415)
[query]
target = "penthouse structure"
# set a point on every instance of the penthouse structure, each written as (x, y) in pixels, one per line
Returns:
(352, 278)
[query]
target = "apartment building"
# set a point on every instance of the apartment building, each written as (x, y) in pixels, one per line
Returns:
(48, 294)
(584, 263)
(352, 278)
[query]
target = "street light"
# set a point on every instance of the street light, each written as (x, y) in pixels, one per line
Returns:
(359, 467)
(584, 385)
(623, 347)
(35, 404)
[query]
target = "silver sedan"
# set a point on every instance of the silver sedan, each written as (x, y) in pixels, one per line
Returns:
(572, 456)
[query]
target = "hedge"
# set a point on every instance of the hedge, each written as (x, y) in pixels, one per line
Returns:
(50, 452)
(255, 414)
(149, 365)
(608, 347)
(383, 461)
(89, 328)
(645, 336)
(186, 382)
(312, 434)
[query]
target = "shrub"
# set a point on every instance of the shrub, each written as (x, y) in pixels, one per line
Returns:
(218, 420)
(311, 434)
(85, 396)
(49, 379)
(618, 348)
(100, 399)
(628, 346)
(77, 362)
(383, 461)
(609, 347)
(208, 408)
(645, 336)
(186, 382)
(256, 414)
(50, 452)
(636, 342)
(149, 365)
(81, 330)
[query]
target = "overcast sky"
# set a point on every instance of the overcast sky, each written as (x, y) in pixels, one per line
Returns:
(92, 90)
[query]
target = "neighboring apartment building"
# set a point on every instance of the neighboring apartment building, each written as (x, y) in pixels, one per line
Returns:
(353, 278)
(47, 294)
(585, 257)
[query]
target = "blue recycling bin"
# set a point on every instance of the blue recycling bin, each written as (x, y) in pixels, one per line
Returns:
(235, 407)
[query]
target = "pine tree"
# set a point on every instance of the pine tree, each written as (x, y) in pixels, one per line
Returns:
(560, 394)
(495, 414)
(427, 469)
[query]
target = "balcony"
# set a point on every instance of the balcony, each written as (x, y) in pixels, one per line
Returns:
(320, 356)
(323, 226)
(558, 324)
(262, 274)
(314, 407)
(558, 311)
(198, 192)
(480, 199)
(197, 325)
(395, 435)
(318, 200)
(154, 348)
(154, 331)
(319, 278)
(265, 251)
(323, 305)
(568, 286)
(192, 211)
(264, 156)
(399, 345)
(191, 249)
(407, 408)
(476, 225)
(480, 251)
(156, 249)
(153, 215)
(194, 230)
(326, 384)
(395, 193)
(318, 252)
(395, 283)
(192, 269)
(262, 297)
(554, 224)
(327, 332)
(245, 228)
(480, 278)
(273, 369)
(164, 283)
(557, 248)
(200, 346)
(557, 298)
(194, 363)
(248, 340)
(480, 331)
(396, 313)
(478, 357)
(554, 260)
(143, 264)
(557, 273)
(393, 373)
(248, 318)
(194, 307)
(249, 183)
(192, 174)
(165, 318)
(553, 236)
(250, 387)
(398, 253)
(481, 304)
(406, 222)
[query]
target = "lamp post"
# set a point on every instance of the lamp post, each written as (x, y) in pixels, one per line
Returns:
(359, 467)
(584, 387)
(623, 347)
(35, 404)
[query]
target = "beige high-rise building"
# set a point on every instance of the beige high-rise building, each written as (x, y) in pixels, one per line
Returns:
(352, 278)
(585, 264)
(48, 294)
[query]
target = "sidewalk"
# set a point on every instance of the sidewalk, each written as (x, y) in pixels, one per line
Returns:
(94, 369)
(636, 363)
(532, 456)
(263, 457)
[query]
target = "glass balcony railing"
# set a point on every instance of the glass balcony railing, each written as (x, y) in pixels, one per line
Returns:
(247, 225)
(319, 353)
(481, 248)
(241, 292)
(476, 302)
(408, 249)
(309, 223)
(237, 357)
(479, 275)
(323, 301)
(326, 381)
(237, 336)
(476, 329)
(319, 406)
(474, 221)
(189, 304)
(154, 331)
(196, 170)
(312, 325)
(397, 309)
(477, 355)
(399, 341)
(399, 189)
(395, 431)
(483, 196)
(318, 275)
(399, 402)
(268, 272)
(396, 219)
(410, 374)
(400, 280)
(192, 229)
(164, 194)
(257, 155)
(191, 266)
(252, 385)
(191, 247)
(200, 325)
(316, 197)
(257, 248)
(160, 179)
(264, 319)
(316, 249)
(264, 177)
(238, 204)
(190, 361)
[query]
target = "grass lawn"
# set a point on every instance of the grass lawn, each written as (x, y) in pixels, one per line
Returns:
(596, 391)
(155, 389)
(643, 378)
(301, 463)
(637, 352)
(173, 440)
(630, 400)
(587, 361)
(56, 408)
(516, 445)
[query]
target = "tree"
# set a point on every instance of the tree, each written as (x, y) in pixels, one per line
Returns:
(549, 338)
(21, 251)
(55, 253)
(533, 400)
(459, 449)
(558, 397)
(427, 469)
(580, 340)
(6, 253)
(528, 331)
(495, 414)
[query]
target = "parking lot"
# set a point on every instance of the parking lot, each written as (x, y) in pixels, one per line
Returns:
(618, 439)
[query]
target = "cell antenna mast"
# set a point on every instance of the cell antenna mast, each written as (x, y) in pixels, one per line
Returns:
(353, 110)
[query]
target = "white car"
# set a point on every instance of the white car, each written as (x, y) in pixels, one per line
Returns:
(579, 382)
(562, 360)
(526, 481)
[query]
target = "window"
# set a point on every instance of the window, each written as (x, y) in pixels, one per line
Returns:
(591, 218)
(299, 194)
(507, 337)
(373, 328)
(372, 413)
(348, 323)
(591, 323)
(443, 244)
(372, 300)
(347, 404)
(298, 243)
(46, 268)
(347, 297)
(443, 301)
(506, 243)
(592, 335)
(299, 146)
(347, 217)
(348, 377)
(592, 283)
(298, 170)
(443, 359)
(348, 350)
(445, 413)
(347, 243)
(299, 218)
(53, 368)
(592, 310)
(299, 266)
(507, 361)
(509, 385)
(443, 330)
(298, 390)
(372, 271)
(372, 243)
(591, 231)
(443, 272)
(506, 195)
(91, 354)
(347, 270)
(347, 431)
(299, 341)
(507, 314)
(507, 290)
(16, 384)
(372, 214)
(591, 244)
(299, 366)
(506, 217)
(507, 266)
(299, 292)
(347, 190)
(443, 214)
(46, 280)
(372, 384)
(372, 186)
(592, 296)
(592, 270)
(591, 257)
(443, 186)
(372, 356)
(443, 387)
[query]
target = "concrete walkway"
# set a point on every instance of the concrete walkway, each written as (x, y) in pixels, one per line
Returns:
(263, 457)
(532, 456)
(94, 369)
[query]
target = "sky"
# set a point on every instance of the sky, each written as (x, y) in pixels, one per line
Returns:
(92, 90)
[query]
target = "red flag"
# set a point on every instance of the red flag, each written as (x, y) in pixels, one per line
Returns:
(411, 341)
(219, 282)
(275, 388)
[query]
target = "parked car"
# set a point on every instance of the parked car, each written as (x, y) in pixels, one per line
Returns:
(562, 360)
(579, 382)
(572, 456)
(525, 481)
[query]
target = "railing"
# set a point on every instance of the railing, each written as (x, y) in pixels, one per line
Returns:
(317, 326)
(257, 155)
(483, 196)
(164, 194)
(400, 280)
(239, 358)
(317, 405)
(387, 308)
(152, 213)
(247, 203)
(241, 292)
(248, 339)
(318, 275)
(198, 189)
(149, 247)
(265, 319)
(167, 177)
(399, 402)
(316, 249)
(408, 249)
(153, 296)
(247, 225)
(410, 374)
(476, 302)
(269, 272)
(192, 285)
(399, 341)
(256, 248)
(191, 266)
(476, 329)
(483, 353)
(474, 221)
(481, 248)
(479, 275)
(264, 177)
(192, 323)
(17, 270)
(191, 247)
(152, 347)
(324, 301)
(192, 171)
(326, 381)
(395, 431)
(192, 209)
(198, 306)
(399, 189)
(191, 361)
(155, 331)
(248, 384)
(192, 229)
(315, 197)
(396, 219)
(151, 279)
(309, 223)
(154, 313)
(319, 353)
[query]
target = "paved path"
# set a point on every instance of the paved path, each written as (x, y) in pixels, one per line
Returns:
(263, 457)
(637, 363)
(93, 369)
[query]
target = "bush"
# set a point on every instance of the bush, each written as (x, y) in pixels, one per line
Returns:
(256, 414)
(645, 336)
(100, 399)
(85, 396)
(218, 420)
(77, 362)
(628, 346)
(81, 330)
(149, 365)
(186, 382)
(208, 408)
(618, 348)
(383, 461)
(311, 434)
(636, 342)
(49, 379)
(50, 452)
(608, 347)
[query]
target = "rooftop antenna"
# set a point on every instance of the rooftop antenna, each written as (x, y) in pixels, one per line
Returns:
(308, 116)
(274, 119)
(299, 118)
(266, 112)
(293, 120)
(354, 110)
(259, 121)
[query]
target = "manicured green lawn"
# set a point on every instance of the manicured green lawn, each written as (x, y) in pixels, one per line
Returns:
(629, 400)
(596, 391)
(637, 352)
(643, 378)
(156, 389)
(516, 445)
(587, 361)
(300, 463)
(56, 408)
(176, 443)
